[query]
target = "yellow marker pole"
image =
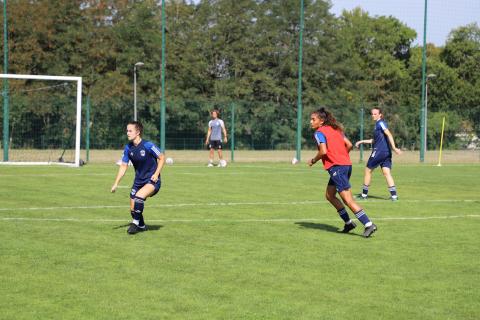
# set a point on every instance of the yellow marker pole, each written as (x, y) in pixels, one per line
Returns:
(441, 144)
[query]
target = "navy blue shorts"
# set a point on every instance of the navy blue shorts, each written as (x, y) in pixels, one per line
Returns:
(384, 160)
(340, 177)
(137, 186)
(215, 144)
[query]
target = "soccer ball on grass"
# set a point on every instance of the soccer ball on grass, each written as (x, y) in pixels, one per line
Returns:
(222, 163)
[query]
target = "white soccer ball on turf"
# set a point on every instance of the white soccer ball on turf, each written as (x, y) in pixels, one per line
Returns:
(169, 161)
(222, 163)
(294, 161)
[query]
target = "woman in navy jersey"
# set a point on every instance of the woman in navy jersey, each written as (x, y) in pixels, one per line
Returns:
(382, 146)
(333, 148)
(148, 160)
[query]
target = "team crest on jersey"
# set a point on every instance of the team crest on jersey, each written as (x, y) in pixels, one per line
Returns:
(131, 153)
(142, 153)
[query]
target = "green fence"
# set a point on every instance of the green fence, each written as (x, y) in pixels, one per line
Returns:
(255, 125)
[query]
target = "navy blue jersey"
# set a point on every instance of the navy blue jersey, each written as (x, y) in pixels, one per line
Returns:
(380, 139)
(144, 159)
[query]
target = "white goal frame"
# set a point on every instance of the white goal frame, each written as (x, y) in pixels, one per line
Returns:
(78, 117)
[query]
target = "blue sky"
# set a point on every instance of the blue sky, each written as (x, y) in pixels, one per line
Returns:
(443, 15)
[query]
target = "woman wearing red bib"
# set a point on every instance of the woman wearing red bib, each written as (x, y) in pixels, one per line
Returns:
(333, 148)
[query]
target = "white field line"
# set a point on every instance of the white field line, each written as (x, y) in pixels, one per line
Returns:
(226, 204)
(250, 170)
(167, 205)
(228, 173)
(273, 220)
(225, 171)
(57, 174)
(165, 173)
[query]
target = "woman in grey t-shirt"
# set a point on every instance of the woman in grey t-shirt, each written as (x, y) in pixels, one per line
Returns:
(214, 136)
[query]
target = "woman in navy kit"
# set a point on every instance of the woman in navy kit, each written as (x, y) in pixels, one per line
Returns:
(383, 144)
(333, 148)
(148, 162)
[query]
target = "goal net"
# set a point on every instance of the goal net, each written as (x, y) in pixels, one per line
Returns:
(41, 120)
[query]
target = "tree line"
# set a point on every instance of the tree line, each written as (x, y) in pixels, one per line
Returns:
(242, 52)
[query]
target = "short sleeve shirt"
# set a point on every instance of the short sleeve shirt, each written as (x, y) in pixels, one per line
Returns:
(216, 125)
(144, 159)
(380, 140)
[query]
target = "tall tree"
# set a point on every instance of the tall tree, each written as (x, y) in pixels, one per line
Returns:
(462, 53)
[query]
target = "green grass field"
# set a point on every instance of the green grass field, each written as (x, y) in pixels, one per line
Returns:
(250, 241)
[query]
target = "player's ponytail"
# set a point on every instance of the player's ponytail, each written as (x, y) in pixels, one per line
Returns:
(328, 119)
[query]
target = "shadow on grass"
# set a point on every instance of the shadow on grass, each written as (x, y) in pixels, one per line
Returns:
(324, 227)
(154, 227)
(359, 199)
(121, 226)
(151, 227)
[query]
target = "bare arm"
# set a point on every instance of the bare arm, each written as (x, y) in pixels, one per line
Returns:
(160, 163)
(392, 142)
(121, 172)
(348, 144)
(358, 143)
(209, 132)
(224, 134)
(322, 150)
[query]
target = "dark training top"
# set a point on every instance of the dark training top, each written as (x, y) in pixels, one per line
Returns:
(144, 159)
(380, 139)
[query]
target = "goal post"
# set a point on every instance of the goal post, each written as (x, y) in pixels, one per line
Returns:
(78, 120)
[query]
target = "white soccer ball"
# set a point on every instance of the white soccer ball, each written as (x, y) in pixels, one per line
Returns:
(294, 161)
(222, 163)
(169, 161)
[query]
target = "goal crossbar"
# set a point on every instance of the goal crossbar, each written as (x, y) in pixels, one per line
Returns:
(78, 80)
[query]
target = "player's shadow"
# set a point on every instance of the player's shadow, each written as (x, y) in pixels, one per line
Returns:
(121, 226)
(371, 197)
(151, 227)
(154, 227)
(323, 227)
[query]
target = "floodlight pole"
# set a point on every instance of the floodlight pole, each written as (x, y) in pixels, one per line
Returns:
(362, 116)
(425, 131)
(138, 64)
(87, 129)
(299, 88)
(162, 103)
(6, 133)
(424, 67)
(430, 76)
(232, 132)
